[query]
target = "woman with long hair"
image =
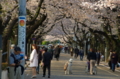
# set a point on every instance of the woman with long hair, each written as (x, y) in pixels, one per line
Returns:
(34, 60)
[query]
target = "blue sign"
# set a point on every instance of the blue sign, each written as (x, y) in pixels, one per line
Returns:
(22, 18)
(22, 33)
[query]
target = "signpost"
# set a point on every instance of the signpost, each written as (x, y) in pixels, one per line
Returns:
(22, 36)
(34, 40)
(22, 33)
(22, 27)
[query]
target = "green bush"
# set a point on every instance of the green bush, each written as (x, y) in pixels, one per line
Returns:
(45, 42)
(4, 66)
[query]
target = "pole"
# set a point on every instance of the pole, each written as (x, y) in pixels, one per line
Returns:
(0, 63)
(85, 47)
(22, 28)
(9, 48)
(0, 55)
(105, 54)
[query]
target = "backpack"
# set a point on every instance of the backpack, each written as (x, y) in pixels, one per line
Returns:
(16, 61)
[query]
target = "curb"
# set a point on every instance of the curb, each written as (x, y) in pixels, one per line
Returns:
(118, 70)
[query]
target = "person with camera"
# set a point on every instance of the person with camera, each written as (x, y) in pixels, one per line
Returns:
(15, 70)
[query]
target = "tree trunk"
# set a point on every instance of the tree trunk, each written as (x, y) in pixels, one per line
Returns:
(7, 35)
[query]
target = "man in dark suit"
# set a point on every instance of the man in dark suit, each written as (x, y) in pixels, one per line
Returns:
(46, 62)
(98, 56)
(76, 52)
(81, 54)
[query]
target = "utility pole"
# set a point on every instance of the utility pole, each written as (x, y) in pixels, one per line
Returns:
(0, 56)
(0, 42)
(22, 28)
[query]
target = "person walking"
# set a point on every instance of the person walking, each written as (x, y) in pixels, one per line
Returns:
(47, 57)
(76, 52)
(51, 51)
(114, 60)
(57, 52)
(66, 49)
(81, 54)
(16, 70)
(71, 51)
(34, 60)
(39, 59)
(98, 56)
(92, 58)
(109, 60)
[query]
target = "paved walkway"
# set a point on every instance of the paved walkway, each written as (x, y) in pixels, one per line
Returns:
(57, 71)
(106, 65)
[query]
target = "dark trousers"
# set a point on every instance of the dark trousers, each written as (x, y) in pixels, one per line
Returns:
(52, 55)
(44, 70)
(81, 58)
(57, 56)
(88, 63)
(76, 55)
(38, 67)
(98, 61)
(113, 66)
(110, 64)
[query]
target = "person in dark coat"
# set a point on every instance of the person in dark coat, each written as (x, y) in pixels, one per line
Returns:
(114, 60)
(81, 54)
(92, 58)
(71, 51)
(47, 57)
(76, 52)
(51, 51)
(57, 52)
(39, 59)
(66, 49)
(98, 56)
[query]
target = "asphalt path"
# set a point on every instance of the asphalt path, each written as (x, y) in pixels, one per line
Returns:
(78, 69)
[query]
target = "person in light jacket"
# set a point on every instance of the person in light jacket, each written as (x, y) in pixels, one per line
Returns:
(34, 60)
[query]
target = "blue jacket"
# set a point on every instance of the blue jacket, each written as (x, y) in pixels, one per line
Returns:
(81, 53)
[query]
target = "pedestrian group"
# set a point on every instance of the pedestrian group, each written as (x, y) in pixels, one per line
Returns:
(42, 56)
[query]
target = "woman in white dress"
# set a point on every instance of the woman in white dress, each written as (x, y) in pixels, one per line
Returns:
(34, 60)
